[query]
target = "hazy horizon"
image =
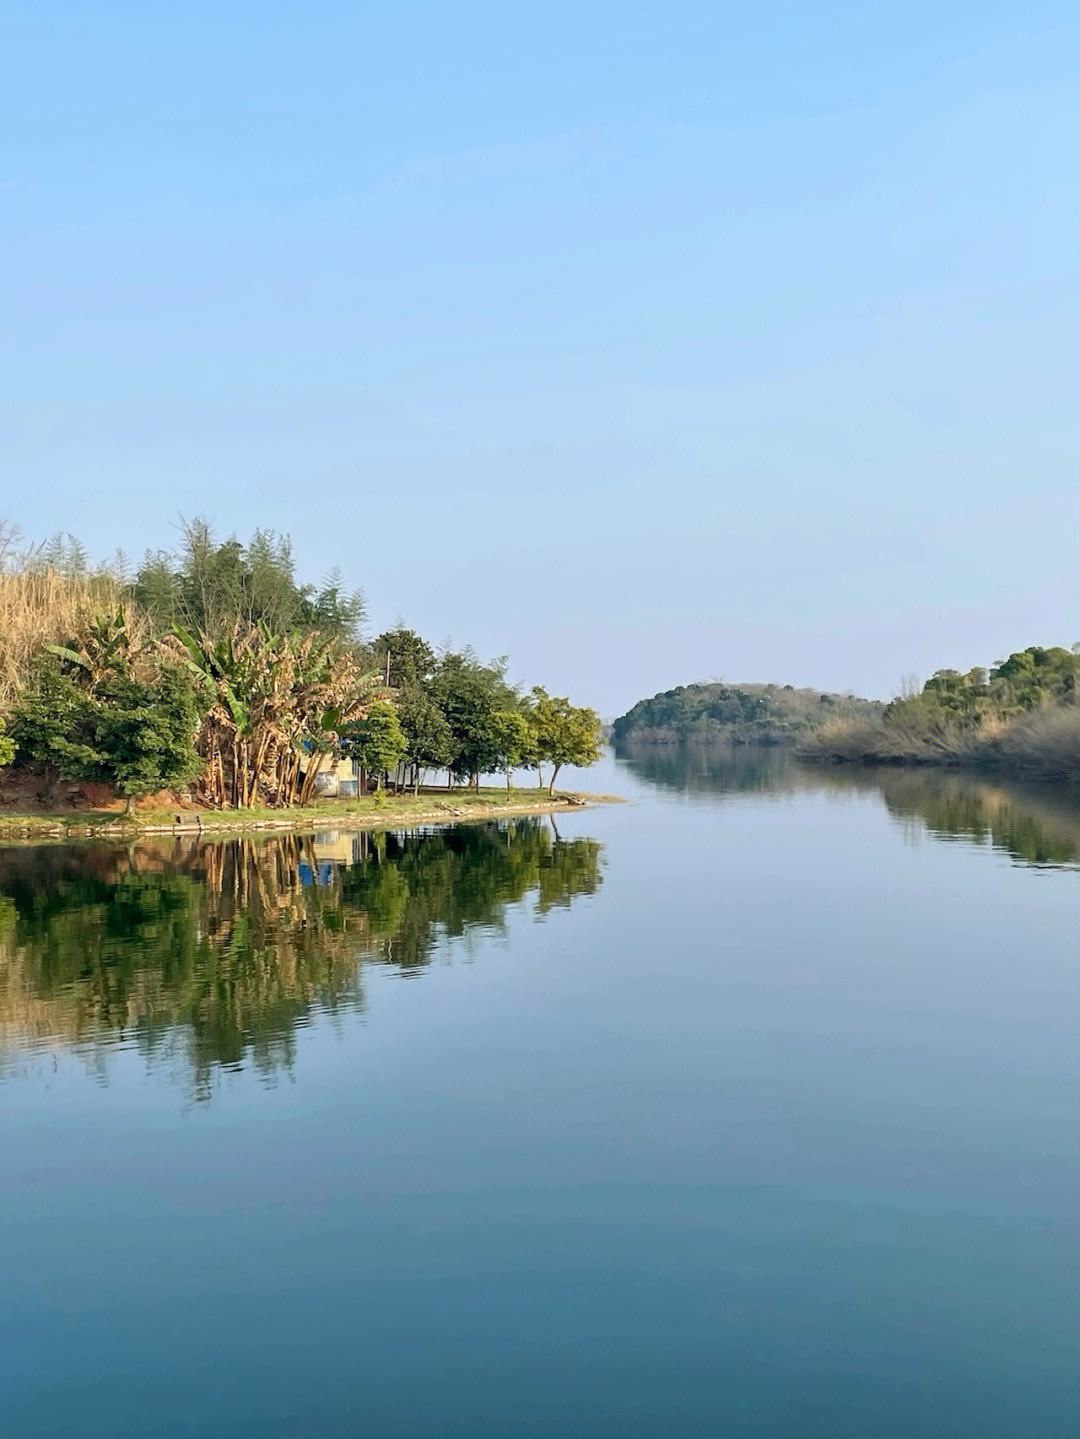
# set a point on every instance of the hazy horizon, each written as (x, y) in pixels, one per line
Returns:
(641, 345)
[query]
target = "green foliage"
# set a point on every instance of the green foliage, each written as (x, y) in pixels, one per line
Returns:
(279, 669)
(703, 714)
(1023, 716)
(7, 745)
(1034, 677)
(562, 733)
(375, 742)
(145, 732)
(515, 739)
(53, 725)
(412, 660)
(469, 694)
(953, 702)
(428, 739)
(208, 587)
(138, 736)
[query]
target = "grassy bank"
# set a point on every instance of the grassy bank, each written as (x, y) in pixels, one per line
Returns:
(370, 812)
(1043, 743)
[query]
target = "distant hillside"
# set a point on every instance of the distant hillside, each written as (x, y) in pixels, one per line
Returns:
(717, 713)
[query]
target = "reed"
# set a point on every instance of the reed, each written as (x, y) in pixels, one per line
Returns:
(41, 606)
(1044, 742)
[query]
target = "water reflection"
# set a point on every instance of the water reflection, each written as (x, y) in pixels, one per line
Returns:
(222, 950)
(721, 769)
(1037, 825)
(1034, 824)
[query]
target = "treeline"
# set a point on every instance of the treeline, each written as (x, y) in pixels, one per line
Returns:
(211, 667)
(1021, 714)
(716, 713)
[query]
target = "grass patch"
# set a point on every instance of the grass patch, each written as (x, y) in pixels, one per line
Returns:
(375, 810)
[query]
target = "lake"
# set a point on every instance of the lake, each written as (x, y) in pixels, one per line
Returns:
(750, 1107)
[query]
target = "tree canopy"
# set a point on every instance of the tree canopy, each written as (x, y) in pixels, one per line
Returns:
(209, 586)
(563, 733)
(715, 712)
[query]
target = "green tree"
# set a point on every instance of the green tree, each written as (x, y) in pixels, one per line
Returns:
(1035, 676)
(53, 726)
(428, 741)
(138, 736)
(412, 660)
(469, 694)
(376, 742)
(145, 732)
(514, 739)
(210, 587)
(7, 746)
(562, 733)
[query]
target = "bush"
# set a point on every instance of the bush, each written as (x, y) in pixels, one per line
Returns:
(137, 736)
(1047, 740)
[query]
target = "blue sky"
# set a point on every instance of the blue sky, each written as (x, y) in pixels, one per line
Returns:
(642, 343)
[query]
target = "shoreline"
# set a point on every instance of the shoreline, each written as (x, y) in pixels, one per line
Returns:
(422, 809)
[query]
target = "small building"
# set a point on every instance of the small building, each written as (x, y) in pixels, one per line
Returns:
(339, 780)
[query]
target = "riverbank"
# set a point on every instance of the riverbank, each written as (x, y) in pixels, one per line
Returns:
(438, 807)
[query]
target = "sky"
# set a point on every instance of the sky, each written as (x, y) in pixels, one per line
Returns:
(641, 343)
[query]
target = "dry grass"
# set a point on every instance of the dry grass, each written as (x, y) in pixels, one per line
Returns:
(40, 607)
(872, 742)
(1045, 742)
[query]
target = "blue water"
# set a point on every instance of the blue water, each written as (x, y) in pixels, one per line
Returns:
(748, 1108)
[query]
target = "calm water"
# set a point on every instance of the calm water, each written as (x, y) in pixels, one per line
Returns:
(749, 1108)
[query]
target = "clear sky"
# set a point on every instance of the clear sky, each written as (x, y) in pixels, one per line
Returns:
(644, 343)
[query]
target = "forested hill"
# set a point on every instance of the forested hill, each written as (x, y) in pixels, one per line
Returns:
(737, 714)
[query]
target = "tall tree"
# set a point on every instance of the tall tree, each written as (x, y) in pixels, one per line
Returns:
(409, 659)
(515, 741)
(209, 587)
(428, 740)
(563, 733)
(469, 694)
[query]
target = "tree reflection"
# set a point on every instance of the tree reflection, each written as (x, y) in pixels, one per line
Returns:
(1035, 824)
(716, 769)
(222, 950)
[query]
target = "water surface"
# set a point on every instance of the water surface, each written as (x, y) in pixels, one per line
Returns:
(751, 1107)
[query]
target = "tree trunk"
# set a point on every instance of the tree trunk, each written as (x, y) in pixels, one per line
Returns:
(309, 779)
(554, 772)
